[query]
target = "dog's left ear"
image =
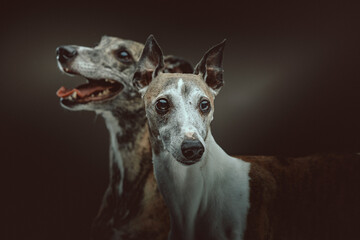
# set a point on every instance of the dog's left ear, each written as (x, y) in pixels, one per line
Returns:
(150, 64)
(210, 67)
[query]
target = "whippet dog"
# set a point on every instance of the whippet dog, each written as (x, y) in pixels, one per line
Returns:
(211, 195)
(132, 207)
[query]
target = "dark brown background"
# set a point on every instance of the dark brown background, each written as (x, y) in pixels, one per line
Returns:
(292, 87)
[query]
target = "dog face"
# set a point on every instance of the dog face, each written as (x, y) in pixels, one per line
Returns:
(179, 107)
(108, 68)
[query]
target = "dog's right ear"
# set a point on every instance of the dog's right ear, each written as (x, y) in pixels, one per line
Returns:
(150, 64)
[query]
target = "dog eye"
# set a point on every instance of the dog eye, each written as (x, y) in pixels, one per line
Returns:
(162, 106)
(205, 106)
(124, 56)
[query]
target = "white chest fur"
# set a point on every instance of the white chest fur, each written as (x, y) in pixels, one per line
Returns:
(207, 200)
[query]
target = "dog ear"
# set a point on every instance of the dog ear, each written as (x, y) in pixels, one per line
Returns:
(149, 65)
(174, 64)
(210, 67)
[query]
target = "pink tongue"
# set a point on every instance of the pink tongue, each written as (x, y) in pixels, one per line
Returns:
(63, 92)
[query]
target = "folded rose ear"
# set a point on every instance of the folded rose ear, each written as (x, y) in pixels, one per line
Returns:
(149, 65)
(210, 67)
(174, 64)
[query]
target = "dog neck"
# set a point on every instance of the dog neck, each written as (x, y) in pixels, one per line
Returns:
(130, 159)
(195, 194)
(131, 199)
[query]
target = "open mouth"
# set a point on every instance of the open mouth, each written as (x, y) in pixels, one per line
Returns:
(94, 90)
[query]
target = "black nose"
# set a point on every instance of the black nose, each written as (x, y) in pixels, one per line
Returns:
(192, 149)
(65, 53)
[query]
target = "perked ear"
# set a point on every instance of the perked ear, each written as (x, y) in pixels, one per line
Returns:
(149, 65)
(210, 67)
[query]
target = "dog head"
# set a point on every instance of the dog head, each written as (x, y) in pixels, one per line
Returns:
(108, 68)
(179, 107)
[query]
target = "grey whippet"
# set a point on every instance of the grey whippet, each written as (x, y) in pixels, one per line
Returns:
(132, 207)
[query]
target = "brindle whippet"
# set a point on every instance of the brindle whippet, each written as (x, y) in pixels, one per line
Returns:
(132, 207)
(211, 195)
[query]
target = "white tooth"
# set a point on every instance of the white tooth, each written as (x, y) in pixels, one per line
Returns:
(107, 80)
(112, 81)
(70, 98)
(92, 95)
(74, 95)
(106, 91)
(100, 94)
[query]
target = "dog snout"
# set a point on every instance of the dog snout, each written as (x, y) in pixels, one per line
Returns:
(192, 149)
(65, 53)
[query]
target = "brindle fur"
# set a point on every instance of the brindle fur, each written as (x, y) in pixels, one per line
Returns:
(132, 206)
